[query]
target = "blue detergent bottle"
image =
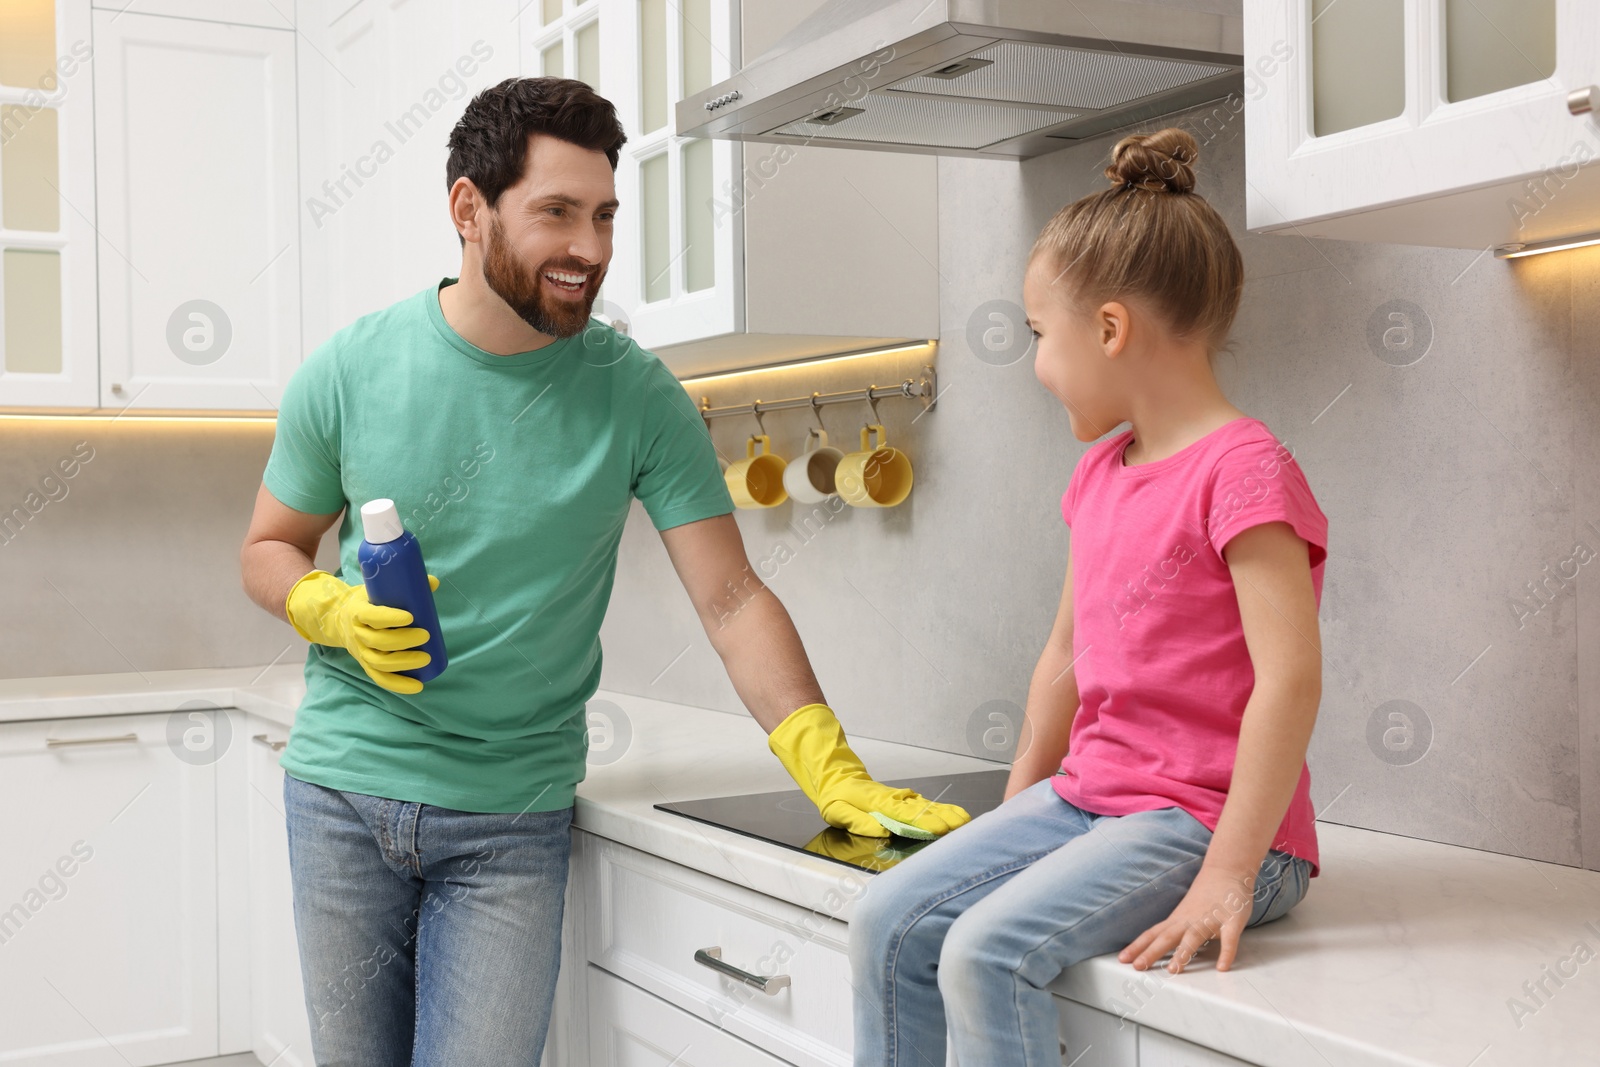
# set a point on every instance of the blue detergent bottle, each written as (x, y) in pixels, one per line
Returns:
(396, 577)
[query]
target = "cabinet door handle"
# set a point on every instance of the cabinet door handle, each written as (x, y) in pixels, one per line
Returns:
(59, 742)
(276, 746)
(1581, 101)
(712, 957)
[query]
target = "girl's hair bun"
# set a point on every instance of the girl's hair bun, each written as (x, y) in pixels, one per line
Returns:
(1160, 162)
(1150, 236)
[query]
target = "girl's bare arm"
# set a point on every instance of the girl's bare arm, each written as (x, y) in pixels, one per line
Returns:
(1278, 607)
(1052, 703)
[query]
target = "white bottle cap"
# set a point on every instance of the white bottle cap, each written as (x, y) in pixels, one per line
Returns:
(380, 522)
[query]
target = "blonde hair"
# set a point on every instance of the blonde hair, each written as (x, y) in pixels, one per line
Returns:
(1149, 237)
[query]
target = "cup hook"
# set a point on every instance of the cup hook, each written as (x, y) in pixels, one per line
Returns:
(816, 413)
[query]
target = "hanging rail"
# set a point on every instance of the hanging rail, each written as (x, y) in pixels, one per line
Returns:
(924, 388)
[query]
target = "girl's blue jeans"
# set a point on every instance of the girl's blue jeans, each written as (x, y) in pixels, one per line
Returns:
(968, 932)
(428, 936)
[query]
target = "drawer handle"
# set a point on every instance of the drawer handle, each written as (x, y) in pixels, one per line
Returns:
(59, 742)
(276, 746)
(712, 957)
(1582, 101)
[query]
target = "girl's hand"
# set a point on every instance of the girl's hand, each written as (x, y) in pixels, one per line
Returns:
(1218, 901)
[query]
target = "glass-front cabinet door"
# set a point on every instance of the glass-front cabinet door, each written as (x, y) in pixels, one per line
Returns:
(48, 345)
(677, 270)
(1474, 48)
(561, 39)
(1357, 105)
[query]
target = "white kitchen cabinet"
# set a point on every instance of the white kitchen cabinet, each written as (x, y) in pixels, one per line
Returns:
(643, 920)
(48, 350)
(648, 918)
(274, 14)
(233, 886)
(381, 86)
(631, 1028)
(195, 190)
(566, 1042)
(1432, 122)
(108, 910)
(1157, 1049)
(677, 272)
(280, 1031)
(1094, 1038)
(562, 39)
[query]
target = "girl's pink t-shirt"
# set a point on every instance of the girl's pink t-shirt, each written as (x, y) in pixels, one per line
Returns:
(1159, 651)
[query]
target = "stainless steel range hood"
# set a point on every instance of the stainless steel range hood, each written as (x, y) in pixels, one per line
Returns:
(1001, 78)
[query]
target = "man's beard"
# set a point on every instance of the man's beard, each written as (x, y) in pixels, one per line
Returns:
(523, 289)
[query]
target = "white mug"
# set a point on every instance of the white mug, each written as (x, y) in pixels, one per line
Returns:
(809, 478)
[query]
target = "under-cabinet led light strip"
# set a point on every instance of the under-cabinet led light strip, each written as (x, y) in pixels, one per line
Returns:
(1534, 248)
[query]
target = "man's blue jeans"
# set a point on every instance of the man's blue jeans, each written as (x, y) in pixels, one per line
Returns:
(427, 936)
(970, 930)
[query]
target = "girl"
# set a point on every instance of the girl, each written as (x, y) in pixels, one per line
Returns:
(1180, 680)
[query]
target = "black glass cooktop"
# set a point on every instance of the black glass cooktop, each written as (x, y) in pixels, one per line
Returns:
(788, 817)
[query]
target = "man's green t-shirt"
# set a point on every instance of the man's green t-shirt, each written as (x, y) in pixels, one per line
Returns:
(515, 473)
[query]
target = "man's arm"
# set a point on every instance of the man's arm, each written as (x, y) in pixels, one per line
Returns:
(756, 639)
(279, 549)
(747, 625)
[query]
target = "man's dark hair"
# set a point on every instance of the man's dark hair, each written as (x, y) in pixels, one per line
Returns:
(490, 143)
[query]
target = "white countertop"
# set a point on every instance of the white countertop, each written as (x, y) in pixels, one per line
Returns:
(1404, 952)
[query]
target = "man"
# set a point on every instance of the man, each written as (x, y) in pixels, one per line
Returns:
(429, 825)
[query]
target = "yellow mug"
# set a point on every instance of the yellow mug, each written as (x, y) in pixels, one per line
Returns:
(874, 477)
(757, 480)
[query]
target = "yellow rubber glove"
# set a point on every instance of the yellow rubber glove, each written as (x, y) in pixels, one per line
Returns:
(324, 610)
(811, 745)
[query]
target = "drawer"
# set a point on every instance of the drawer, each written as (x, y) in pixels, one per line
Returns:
(630, 1028)
(646, 918)
(1157, 1049)
(1094, 1038)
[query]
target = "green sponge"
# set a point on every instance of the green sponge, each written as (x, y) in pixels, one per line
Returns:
(904, 829)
